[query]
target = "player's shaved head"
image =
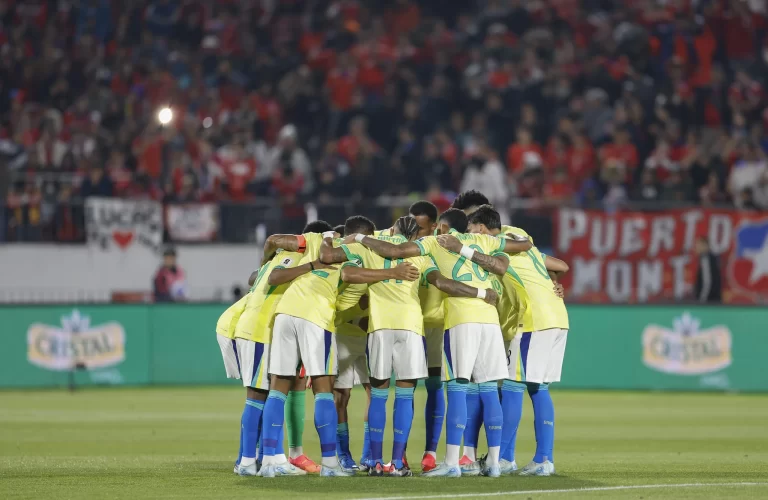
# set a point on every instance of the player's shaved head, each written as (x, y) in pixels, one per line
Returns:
(360, 225)
(469, 201)
(426, 208)
(339, 229)
(425, 214)
(318, 226)
(453, 218)
(484, 220)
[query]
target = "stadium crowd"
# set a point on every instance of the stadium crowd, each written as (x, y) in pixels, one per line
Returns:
(595, 102)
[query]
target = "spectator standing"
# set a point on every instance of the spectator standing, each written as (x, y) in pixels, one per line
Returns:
(708, 279)
(288, 151)
(747, 175)
(169, 283)
(485, 173)
(517, 151)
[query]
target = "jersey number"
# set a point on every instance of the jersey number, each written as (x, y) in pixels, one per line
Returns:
(540, 268)
(388, 265)
(481, 274)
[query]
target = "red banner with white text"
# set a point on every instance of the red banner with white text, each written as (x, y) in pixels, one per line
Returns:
(649, 256)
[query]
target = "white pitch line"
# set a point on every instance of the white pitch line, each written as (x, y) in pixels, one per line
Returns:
(568, 490)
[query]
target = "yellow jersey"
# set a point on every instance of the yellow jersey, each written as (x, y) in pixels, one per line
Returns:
(383, 232)
(514, 230)
(395, 304)
(350, 330)
(256, 321)
(228, 320)
(348, 310)
(431, 299)
(544, 309)
(312, 296)
(512, 306)
(461, 310)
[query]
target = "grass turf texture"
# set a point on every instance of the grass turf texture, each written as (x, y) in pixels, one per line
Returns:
(181, 443)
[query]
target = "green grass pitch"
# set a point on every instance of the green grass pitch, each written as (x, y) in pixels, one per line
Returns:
(181, 443)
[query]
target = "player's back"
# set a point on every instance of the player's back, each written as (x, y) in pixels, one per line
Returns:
(431, 299)
(460, 310)
(512, 305)
(544, 309)
(394, 304)
(255, 322)
(312, 296)
(227, 322)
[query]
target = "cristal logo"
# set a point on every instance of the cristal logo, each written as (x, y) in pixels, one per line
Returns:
(686, 349)
(75, 343)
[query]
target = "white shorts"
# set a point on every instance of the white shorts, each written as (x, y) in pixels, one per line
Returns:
(474, 351)
(229, 353)
(400, 350)
(434, 338)
(537, 357)
(353, 365)
(254, 364)
(295, 341)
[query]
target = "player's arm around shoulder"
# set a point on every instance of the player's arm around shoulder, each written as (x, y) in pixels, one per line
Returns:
(352, 274)
(288, 242)
(555, 265)
(289, 269)
(515, 243)
(330, 254)
(385, 248)
(491, 257)
(455, 288)
(556, 268)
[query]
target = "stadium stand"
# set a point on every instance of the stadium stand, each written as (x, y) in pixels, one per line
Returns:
(601, 104)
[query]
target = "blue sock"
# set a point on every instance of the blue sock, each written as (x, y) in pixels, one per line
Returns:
(512, 408)
(434, 411)
(242, 426)
(456, 415)
(260, 458)
(543, 421)
(326, 420)
(280, 448)
(377, 419)
(274, 416)
(366, 443)
(474, 416)
(492, 415)
(402, 421)
(342, 439)
(250, 424)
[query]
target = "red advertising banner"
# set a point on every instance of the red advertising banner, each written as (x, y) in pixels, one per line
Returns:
(650, 257)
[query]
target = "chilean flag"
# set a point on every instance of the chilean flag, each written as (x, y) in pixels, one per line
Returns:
(749, 263)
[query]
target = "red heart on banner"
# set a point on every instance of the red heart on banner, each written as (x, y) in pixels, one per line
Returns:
(122, 238)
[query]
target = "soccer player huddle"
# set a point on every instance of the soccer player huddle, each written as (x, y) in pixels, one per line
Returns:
(471, 307)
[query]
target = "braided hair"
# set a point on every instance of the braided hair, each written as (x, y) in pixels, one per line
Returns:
(407, 226)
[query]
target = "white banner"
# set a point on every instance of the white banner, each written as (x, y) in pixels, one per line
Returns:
(123, 224)
(192, 222)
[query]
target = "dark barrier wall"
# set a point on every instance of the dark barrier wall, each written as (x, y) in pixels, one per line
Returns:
(616, 347)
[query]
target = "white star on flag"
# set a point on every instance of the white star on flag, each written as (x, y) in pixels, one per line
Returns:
(759, 260)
